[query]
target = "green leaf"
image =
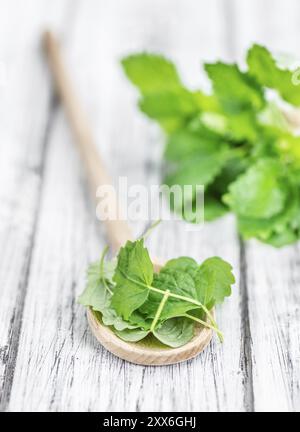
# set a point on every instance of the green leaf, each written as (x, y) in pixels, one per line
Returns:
(263, 67)
(110, 318)
(213, 208)
(151, 73)
(284, 238)
(164, 98)
(197, 171)
(169, 104)
(172, 109)
(259, 192)
(187, 143)
(177, 282)
(235, 90)
(213, 281)
(237, 126)
(134, 273)
(131, 335)
(205, 102)
(236, 164)
(243, 126)
(197, 156)
(175, 332)
(207, 284)
(277, 227)
(96, 293)
(185, 264)
(288, 147)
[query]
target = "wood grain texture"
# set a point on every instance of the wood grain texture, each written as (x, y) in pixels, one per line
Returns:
(272, 276)
(49, 360)
(26, 116)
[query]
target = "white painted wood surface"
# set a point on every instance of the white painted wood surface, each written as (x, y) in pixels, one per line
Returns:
(48, 231)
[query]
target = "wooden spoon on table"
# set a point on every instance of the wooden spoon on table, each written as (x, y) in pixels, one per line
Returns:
(144, 352)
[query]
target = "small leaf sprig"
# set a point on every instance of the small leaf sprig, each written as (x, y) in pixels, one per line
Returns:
(134, 301)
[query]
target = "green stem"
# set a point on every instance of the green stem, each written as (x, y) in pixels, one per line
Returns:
(150, 229)
(189, 300)
(105, 250)
(206, 324)
(159, 310)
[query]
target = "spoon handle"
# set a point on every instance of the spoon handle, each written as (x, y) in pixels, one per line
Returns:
(118, 230)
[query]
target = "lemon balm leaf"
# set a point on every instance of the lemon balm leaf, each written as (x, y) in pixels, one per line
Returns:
(264, 68)
(134, 273)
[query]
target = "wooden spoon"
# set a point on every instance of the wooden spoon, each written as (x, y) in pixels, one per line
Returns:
(146, 352)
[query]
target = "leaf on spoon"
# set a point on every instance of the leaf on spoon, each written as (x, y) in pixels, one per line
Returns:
(132, 335)
(208, 284)
(175, 332)
(184, 264)
(96, 294)
(213, 281)
(131, 301)
(177, 282)
(110, 318)
(133, 276)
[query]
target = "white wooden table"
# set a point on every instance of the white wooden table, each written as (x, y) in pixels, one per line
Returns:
(48, 231)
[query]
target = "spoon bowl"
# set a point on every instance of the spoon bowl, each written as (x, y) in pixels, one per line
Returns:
(147, 352)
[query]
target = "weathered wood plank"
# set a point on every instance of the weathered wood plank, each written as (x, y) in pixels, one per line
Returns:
(25, 116)
(60, 366)
(272, 276)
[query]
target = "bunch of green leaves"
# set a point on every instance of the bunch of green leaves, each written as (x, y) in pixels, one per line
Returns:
(235, 141)
(135, 302)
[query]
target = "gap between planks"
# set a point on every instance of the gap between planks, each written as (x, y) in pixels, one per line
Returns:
(229, 15)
